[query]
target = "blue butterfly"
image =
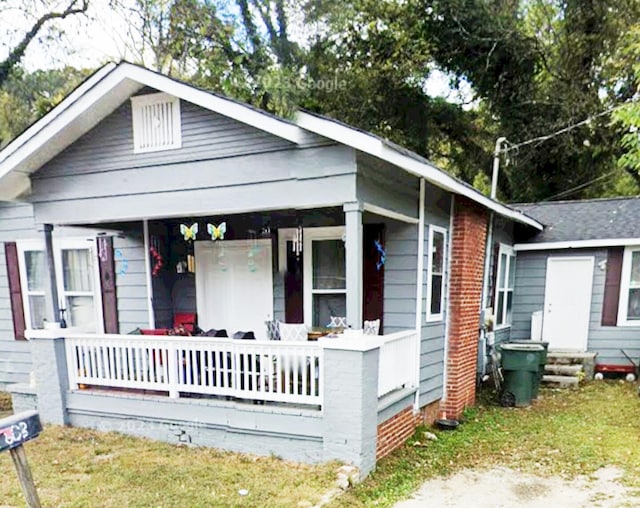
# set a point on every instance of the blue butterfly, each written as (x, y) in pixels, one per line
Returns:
(382, 253)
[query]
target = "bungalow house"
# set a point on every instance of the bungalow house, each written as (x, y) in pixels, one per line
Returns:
(581, 274)
(141, 202)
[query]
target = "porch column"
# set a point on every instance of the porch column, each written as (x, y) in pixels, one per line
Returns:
(49, 362)
(350, 401)
(353, 229)
(50, 287)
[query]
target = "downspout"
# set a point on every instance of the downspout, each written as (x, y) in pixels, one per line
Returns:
(419, 289)
(447, 320)
(147, 272)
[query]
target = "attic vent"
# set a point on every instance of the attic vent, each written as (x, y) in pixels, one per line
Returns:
(156, 122)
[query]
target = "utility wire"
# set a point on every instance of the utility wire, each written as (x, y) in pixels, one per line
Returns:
(563, 130)
(579, 187)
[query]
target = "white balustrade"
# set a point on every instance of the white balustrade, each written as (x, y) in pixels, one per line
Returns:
(397, 367)
(257, 370)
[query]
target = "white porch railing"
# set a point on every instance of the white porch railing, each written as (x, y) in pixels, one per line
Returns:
(397, 367)
(258, 370)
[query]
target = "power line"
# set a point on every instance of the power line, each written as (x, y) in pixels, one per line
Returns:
(579, 187)
(563, 130)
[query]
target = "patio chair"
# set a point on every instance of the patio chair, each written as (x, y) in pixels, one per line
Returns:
(372, 327)
(273, 330)
(337, 322)
(292, 332)
(294, 365)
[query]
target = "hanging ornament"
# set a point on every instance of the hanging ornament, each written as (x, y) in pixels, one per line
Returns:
(382, 255)
(102, 249)
(124, 264)
(189, 232)
(221, 260)
(297, 242)
(217, 232)
(157, 261)
(254, 249)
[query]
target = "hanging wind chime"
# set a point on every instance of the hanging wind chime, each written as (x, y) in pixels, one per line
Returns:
(297, 242)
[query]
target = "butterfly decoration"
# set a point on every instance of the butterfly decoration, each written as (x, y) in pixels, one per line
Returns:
(217, 232)
(189, 233)
(381, 253)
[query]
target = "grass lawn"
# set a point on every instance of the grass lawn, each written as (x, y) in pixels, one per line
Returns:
(84, 468)
(566, 433)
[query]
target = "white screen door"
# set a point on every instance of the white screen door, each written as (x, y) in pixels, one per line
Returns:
(234, 285)
(567, 302)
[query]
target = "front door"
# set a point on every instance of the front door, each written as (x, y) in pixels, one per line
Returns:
(567, 302)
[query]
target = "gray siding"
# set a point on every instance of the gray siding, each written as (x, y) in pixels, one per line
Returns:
(400, 290)
(606, 341)
(16, 221)
(386, 186)
(131, 286)
(223, 167)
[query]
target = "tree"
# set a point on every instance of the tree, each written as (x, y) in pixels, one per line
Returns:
(38, 18)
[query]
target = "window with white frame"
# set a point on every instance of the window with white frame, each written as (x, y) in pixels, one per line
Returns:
(325, 282)
(77, 282)
(629, 308)
(436, 265)
(156, 122)
(504, 285)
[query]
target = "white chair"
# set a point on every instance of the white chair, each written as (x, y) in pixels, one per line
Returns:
(372, 327)
(337, 322)
(292, 332)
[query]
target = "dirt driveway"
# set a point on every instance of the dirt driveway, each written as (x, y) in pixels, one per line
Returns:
(503, 487)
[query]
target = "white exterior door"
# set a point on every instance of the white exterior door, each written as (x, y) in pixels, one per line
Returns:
(567, 302)
(234, 285)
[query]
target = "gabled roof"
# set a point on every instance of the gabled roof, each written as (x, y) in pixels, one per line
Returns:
(110, 86)
(592, 222)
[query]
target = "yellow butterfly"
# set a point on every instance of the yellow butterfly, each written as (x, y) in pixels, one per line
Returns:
(217, 232)
(189, 233)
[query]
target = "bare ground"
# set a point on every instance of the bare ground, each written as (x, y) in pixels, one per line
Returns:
(502, 487)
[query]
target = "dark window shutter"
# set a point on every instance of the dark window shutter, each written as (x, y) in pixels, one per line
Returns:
(494, 276)
(15, 290)
(293, 287)
(612, 287)
(372, 278)
(108, 284)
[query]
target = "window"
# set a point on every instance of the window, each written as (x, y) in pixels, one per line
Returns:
(436, 263)
(77, 279)
(504, 285)
(325, 289)
(629, 308)
(156, 122)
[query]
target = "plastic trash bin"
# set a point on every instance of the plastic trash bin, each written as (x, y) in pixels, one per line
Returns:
(520, 366)
(543, 361)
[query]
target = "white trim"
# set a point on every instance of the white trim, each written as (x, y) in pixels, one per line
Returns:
(577, 244)
(148, 277)
(432, 318)
(60, 244)
(625, 279)
(447, 321)
(374, 146)
(308, 236)
(385, 212)
(419, 291)
(510, 253)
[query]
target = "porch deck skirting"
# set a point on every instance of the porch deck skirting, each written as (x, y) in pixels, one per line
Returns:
(307, 401)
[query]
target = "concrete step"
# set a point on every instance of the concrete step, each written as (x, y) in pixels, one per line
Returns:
(563, 370)
(561, 381)
(570, 357)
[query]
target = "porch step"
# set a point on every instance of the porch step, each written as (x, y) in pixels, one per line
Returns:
(569, 357)
(555, 369)
(561, 381)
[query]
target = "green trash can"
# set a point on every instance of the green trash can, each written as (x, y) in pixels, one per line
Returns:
(520, 367)
(543, 361)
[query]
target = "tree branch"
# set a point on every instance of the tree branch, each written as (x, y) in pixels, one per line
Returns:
(18, 52)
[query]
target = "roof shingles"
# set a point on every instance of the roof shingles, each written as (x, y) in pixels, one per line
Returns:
(594, 219)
